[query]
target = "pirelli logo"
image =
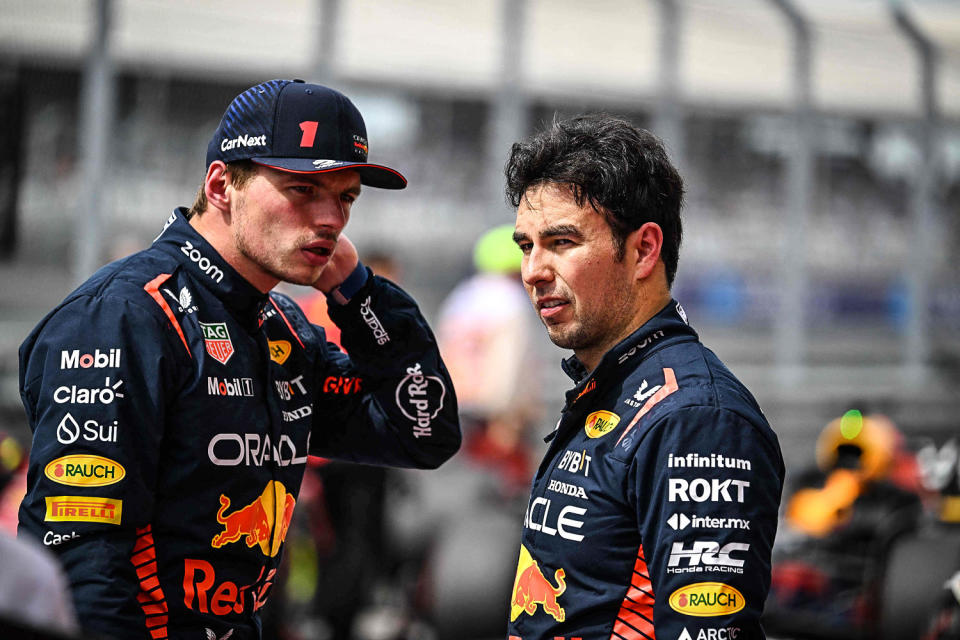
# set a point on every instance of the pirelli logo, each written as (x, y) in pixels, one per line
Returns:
(83, 509)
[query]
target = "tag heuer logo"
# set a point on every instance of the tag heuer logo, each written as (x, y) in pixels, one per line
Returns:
(216, 338)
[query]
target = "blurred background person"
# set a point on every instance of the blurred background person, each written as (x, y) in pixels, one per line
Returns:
(35, 600)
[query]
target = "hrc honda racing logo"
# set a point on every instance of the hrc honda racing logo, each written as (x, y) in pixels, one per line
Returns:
(420, 399)
(706, 556)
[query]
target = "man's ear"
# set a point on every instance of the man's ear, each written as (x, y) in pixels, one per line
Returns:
(644, 244)
(215, 186)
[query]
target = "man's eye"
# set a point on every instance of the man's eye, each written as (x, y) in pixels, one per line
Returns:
(304, 189)
(525, 247)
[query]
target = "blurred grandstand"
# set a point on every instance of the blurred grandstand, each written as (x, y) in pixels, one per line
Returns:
(819, 139)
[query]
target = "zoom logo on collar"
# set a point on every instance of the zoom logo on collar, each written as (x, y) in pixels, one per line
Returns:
(202, 261)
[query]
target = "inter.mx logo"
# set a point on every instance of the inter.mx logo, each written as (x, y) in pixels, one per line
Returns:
(680, 521)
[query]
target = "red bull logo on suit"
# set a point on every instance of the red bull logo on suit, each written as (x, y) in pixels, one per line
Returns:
(263, 522)
(531, 588)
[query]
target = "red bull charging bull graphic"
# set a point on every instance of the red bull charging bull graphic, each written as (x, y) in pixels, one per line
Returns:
(263, 522)
(531, 588)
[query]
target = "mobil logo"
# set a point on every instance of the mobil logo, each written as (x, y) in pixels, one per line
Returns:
(73, 359)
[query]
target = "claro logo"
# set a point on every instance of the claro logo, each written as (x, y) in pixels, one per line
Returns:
(201, 261)
(84, 471)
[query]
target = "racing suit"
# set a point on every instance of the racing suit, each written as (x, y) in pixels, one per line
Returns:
(654, 510)
(173, 406)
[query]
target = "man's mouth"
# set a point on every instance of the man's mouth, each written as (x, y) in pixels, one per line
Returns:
(551, 307)
(319, 251)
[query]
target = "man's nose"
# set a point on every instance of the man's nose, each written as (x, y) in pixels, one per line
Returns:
(328, 211)
(536, 268)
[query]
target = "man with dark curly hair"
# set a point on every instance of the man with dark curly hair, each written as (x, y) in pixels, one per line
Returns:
(654, 510)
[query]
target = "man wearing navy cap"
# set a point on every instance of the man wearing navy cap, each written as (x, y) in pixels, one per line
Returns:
(174, 399)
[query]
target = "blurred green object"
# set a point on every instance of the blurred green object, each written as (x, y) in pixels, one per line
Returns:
(496, 252)
(851, 424)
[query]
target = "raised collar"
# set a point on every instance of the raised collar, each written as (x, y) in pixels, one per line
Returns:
(668, 324)
(180, 240)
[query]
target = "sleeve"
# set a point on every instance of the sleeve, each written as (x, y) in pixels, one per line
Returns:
(403, 409)
(94, 379)
(707, 485)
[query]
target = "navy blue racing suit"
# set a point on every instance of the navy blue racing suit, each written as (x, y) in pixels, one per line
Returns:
(173, 406)
(654, 510)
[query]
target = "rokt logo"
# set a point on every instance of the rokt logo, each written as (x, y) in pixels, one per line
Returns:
(706, 599)
(701, 490)
(84, 471)
(98, 359)
(212, 270)
(80, 395)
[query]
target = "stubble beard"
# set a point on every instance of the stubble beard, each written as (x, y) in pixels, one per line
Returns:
(270, 263)
(590, 332)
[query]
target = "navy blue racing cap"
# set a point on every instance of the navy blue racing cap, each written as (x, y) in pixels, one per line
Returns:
(300, 128)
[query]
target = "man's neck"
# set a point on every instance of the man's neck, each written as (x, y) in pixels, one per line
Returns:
(212, 228)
